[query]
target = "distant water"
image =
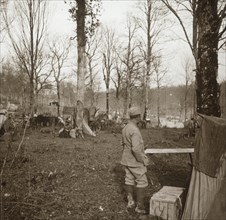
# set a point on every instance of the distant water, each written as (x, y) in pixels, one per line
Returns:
(171, 123)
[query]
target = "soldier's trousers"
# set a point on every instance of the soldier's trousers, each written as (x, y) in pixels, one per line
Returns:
(136, 176)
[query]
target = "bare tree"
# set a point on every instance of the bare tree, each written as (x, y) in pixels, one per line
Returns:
(150, 23)
(189, 78)
(159, 74)
(59, 57)
(131, 60)
(117, 78)
(27, 38)
(3, 12)
(41, 78)
(93, 56)
(178, 8)
(108, 40)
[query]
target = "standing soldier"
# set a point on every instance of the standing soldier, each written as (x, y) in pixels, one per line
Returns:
(135, 161)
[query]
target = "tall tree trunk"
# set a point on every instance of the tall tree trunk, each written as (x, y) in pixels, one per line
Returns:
(92, 93)
(117, 99)
(36, 101)
(107, 101)
(81, 68)
(81, 72)
(148, 63)
(107, 83)
(208, 90)
(125, 109)
(185, 99)
(32, 98)
(158, 105)
(194, 42)
(185, 107)
(128, 98)
(58, 98)
(146, 92)
(194, 29)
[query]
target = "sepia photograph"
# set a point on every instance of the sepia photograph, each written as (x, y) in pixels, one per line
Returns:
(112, 110)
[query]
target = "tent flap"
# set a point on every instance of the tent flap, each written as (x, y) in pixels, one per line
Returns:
(206, 198)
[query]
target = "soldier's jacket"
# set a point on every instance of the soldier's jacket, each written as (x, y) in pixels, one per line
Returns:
(133, 146)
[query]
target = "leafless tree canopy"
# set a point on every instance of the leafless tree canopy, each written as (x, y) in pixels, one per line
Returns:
(27, 35)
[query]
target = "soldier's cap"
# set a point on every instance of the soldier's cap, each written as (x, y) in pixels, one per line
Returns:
(134, 111)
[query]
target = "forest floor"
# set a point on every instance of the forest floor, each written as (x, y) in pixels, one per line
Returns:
(76, 179)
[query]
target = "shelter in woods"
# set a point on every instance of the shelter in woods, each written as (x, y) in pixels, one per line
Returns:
(206, 198)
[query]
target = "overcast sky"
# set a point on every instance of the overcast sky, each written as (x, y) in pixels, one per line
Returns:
(114, 14)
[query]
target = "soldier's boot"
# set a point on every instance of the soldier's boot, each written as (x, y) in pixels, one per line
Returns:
(140, 208)
(129, 195)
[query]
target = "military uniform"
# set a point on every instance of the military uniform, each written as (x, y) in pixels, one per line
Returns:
(135, 161)
(133, 156)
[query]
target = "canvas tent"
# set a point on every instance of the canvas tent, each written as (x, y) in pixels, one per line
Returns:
(206, 198)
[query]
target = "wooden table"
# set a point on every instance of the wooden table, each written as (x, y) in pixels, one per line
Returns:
(171, 151)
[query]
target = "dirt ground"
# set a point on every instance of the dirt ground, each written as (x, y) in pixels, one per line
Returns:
(76, 179)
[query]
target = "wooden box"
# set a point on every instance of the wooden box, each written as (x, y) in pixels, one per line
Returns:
(167, 203)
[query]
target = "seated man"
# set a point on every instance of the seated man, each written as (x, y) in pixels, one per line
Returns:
(65, 131)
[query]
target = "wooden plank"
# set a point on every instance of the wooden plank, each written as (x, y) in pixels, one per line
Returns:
(169, 150)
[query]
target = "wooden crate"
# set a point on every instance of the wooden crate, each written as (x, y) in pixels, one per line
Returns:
(167, 203)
